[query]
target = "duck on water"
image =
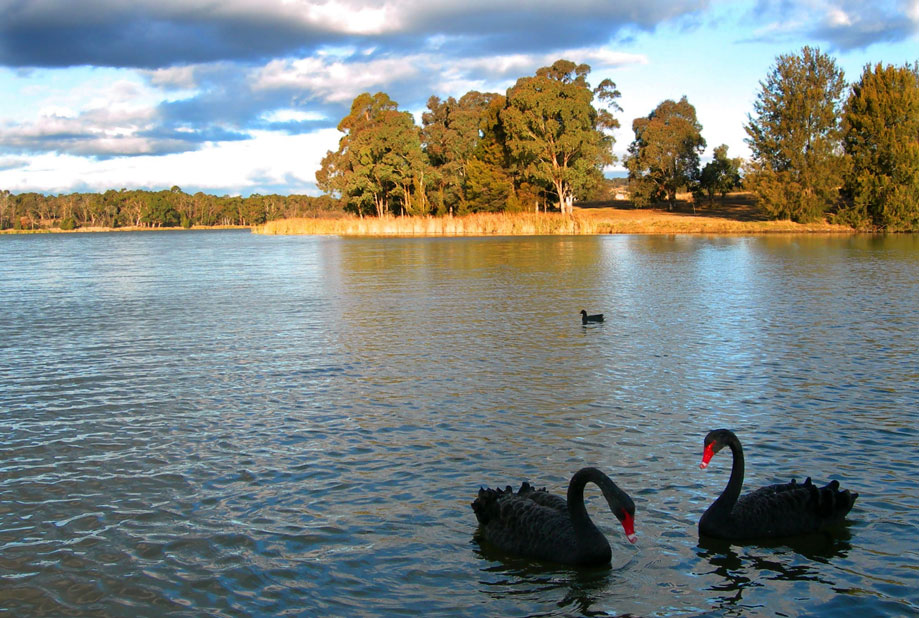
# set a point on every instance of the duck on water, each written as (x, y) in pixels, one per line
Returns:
(535, 524)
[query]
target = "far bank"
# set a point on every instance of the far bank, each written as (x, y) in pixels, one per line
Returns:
(727, 218)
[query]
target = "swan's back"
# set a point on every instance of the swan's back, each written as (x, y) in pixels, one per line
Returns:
(783, 510)
(535, 524)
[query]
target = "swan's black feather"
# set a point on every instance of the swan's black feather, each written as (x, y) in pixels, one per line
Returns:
(774, 511)
(532, 523)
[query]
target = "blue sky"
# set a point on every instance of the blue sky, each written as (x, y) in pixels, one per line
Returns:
(243, 96)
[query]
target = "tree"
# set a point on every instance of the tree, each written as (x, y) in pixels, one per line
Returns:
(664, 156)
(720, 175)
(379, 159)
(450, 134)
(4, 202)
(555, 135)
(797, 165)
(881, 124)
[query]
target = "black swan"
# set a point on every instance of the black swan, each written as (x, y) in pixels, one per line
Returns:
(775, 511)
(587, 319)
(536, 524)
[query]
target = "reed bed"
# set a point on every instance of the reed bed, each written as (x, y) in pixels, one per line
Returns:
(531, 224)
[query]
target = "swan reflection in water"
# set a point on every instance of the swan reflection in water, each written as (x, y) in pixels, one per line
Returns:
(577, 589)
(767, 561)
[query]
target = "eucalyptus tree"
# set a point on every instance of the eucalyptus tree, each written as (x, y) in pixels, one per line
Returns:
(719, 175)
(379, 159)
(795, 137)
(664, 156)
(881, 124)
(4, 207)
(555, 135)
(450, 134)
(490, 185)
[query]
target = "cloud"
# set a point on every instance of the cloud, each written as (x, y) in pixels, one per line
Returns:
(203, 73)
(156, 34)
(12, 163)
(336, 81)
(266, 163)
(843, 25)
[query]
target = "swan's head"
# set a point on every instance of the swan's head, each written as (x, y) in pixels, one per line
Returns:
(714, 442)
(626, 517)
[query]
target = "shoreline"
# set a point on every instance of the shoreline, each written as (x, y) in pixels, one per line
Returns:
(98, 230)
(596, 220)
(736, 214)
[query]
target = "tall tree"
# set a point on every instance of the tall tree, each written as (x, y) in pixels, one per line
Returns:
(4, 202)
(881, 125)
(719, 175)
(379, 165)
(450, 134)
(795, 137)
(664, 156)
(555, 135)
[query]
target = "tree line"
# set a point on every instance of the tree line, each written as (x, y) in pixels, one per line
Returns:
(153, 209)
(547, 139)
(820, 148)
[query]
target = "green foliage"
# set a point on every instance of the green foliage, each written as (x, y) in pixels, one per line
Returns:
(488, 188)
(720, 175)
(491, 185)
(379, 166)
(450, 134)
(68, 223)
(797, 166)
(881, 125)
(140, 208)
(554, 135)
(664, 156)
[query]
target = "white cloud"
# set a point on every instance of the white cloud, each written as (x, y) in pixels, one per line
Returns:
(335, 81)
(266, 162)
(182, 77)
(291, 115)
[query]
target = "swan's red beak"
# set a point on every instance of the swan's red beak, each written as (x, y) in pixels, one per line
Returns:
(628, 524)
(707, 455)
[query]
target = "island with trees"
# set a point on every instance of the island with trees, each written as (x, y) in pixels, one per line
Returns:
(826, 156)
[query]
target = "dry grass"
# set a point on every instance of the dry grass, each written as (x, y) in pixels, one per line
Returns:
(737, 215)
(91, 229)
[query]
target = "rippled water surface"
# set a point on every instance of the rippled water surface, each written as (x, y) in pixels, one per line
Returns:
(219, 423)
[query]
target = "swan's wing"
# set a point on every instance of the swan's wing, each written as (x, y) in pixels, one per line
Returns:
(793, 508)
(543, 498)
(518, 523)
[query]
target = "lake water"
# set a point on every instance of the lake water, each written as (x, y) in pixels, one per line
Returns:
(226, 424)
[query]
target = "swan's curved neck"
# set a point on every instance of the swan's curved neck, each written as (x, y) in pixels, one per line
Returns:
(615, 497)
(731, 493)
(576, 508)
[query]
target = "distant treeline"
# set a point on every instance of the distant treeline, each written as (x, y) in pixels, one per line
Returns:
(821, 148)
(153, 209)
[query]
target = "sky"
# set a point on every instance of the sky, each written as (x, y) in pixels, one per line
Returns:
(244, 96)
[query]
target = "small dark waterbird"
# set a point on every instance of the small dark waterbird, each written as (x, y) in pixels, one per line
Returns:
(587, 319)
(776, 511)
(532, 523)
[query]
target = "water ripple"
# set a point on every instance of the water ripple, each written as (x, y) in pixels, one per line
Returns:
(227, 424)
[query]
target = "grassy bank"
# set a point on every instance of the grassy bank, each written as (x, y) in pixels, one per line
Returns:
(737, 216)
(91, 229)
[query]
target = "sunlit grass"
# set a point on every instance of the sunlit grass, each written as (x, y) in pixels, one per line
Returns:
(603, 221)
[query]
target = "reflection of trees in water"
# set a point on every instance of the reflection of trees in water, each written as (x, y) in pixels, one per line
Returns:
(519, 578)
(771, 562)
